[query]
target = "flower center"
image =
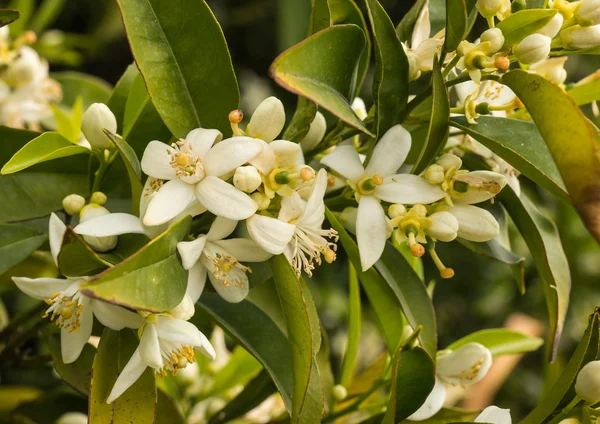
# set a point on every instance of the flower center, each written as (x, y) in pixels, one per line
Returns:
(308, 245)
(225, 268)
(66, 308)
(175, 357)
(368, 184)
(188, 167)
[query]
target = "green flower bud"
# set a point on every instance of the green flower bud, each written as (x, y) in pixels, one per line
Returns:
(96, 118)
(339, 392)
(73, 203)
(99, 244)
(98, 198)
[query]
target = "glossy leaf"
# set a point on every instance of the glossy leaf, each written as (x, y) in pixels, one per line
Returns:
(118, 98)
(457, 23)
(390, 83)
(500, 341)
(259, 335)
(579, 164)
(521, 145)
(300, 124)
(17, 242)
(7, 16)
(586, 351)
(329, 83)
(168, 410)
(134, 169)
(89, 88)
(438, 131)
(152, 279)
(407, 24)
(47, 146)
(76, 258)
(138, 403)
(585, 93)
(544, 244)
(320, 18)
(523, 23)
(307, 403)
(188, 72)
(354, 325)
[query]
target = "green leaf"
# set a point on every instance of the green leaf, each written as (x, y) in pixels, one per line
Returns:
(412, 381)
(585, 93)
(390, 83)
(307, 403)
(300, 123)
(239, 370)
(17, 242)
(45, 147)
(559, 120)
(118, 98)
(500, 341)
(134, 169)
(167, 410)
(412, 294)
(77, 259)
(448, 415)
(457, 24)
(26, 9)
(258, 334)
(77, 374)
(69, 124)
(562, 392)
(152, 279)
(331, 82)
(354, 325)
(138, 403)
(407, 24)
(320, 17)
(382, 298)
(437, 134)
(46, 14)
(521, 145)
(188, 72)
(89, 88)
(523, 23)
(544, 244)
(7, 16)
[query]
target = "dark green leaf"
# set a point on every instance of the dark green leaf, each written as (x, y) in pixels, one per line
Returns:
(523, 23)
(407, 24)
(118, 97)
(134, 169)
(152, 279)
(76, 257)
(75, 84)
(354, 325)
(188, 71)
(457, 23)
(319, 16)
(138, 403)
(167, 410)
(500, 341)
(17, 242)
(7, 16)
(300, 124)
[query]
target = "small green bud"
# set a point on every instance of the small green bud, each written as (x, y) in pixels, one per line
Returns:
(98, 198)
(518, 5)
(483, 109)
(461, 186)
(73, 203)
(339, 392)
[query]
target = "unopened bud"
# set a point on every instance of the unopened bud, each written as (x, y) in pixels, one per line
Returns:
(578, 37)
(96, 118)
(489, 8)
(99, 244)
(73, 203)
(435, 174)
(185, 310)
(557, 75)
(552, 27)
(495, 37)
(261, 200)
(339, 392)
(588, 12)
(587, 385)
(533, 48)
(448, 161)
(502, 63)
(98, 198)
(247, 179)
(396, 210)
(518, 5)
(444, 226)
(315, 133)
(463, 48)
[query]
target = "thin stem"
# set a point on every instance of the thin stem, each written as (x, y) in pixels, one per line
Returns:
(450, 66)
(565, 412)
(354, 405)
(106, 160)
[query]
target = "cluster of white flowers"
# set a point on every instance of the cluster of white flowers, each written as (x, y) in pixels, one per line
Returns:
(26, 90)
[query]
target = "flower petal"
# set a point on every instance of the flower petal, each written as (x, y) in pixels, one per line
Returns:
(196, 281)
(56, 232)
(132, 371)
(184, 332)
(41, 288)
(190, 251)
(201, 140)
(371, 231)
(156, 161)
(315, 133)
(72, 342)
(231, 293)
(229, 154)
(291, 207)
(221, 228)
(474, 224)
(269, 233)
(286, 152)
(433, 403)
(313, 204)
(112, 224)
(422, 27)
(464, 366)
(169, 201)
(115, 317)
(345, 161)
(224, 200)
(265, 160)
(268, 120)
(409, 190)
(150, 347)
(244, 250)
(390, 152)
(474, 195)
(494, 415)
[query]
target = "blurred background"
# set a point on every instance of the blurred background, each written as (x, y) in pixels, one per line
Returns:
(88, 36)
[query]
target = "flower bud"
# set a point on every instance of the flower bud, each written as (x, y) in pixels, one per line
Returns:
(464, 47)
(315, 133)
(396, 210)
(261, 200)
(99, 244)
(587, 385)
(474, 224)
(533, 48)
(552, 27)
(414, 71)
(98, 198)
(464, 366)
(339, 392)
(185, 310)
(518, 5)
(359, 107)
(588, 13)
(24, 69)
(444, 226)
(72, 418)
(557, 75)
(267, 120)
(435, 174)
(73, 203)
(578, 37)
(489, 8)
(493, 36)
(96, 118)
(247, 178)
(448, 161)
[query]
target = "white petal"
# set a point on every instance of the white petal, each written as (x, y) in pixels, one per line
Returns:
(345, 161)
(408, 189)
(464, 366)
(270, 233)
(316, 196)
(41, 288)
(265, 160)
(433, 403)
(150, 347)
(156, 161)
(190, 251)
(132, 371)
(464, 89)
(474, 224)
(224, 200)
(196, 281)
(221, 228)
(371, 231)
(286, 152)
(422, 27)
(112, 224)
(184, 332)
(390, 152)
(229, 154)
(202, 139)
(115, 317)
(473, 195)
(56, 232)
(268, 120)
(494, 415)
(291, 207)
(244, 250)
(315, 133)
(72, 342)
(231, 293)
(426, 51)
(359, 107)
(169, 201)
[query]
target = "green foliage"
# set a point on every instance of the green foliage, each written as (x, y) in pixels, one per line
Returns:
(523, 23)
(17, 242)
(500, 341)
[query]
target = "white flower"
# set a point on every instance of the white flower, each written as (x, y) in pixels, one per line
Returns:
(490, 8)
(73, 310)
(470, 94)
(587, 12)
(96, 118)
(552, 28)
(533, 48)
(247, 178)
(444, 226)
(474, 224)
(315, 133)
(297, 231)
(99, 244)
(379, 182)
(192, 168)
(166, 345)
(552, 69)
(578, 37)
(218, 258)
(587, 385)
(494, 415)
(493, 36)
